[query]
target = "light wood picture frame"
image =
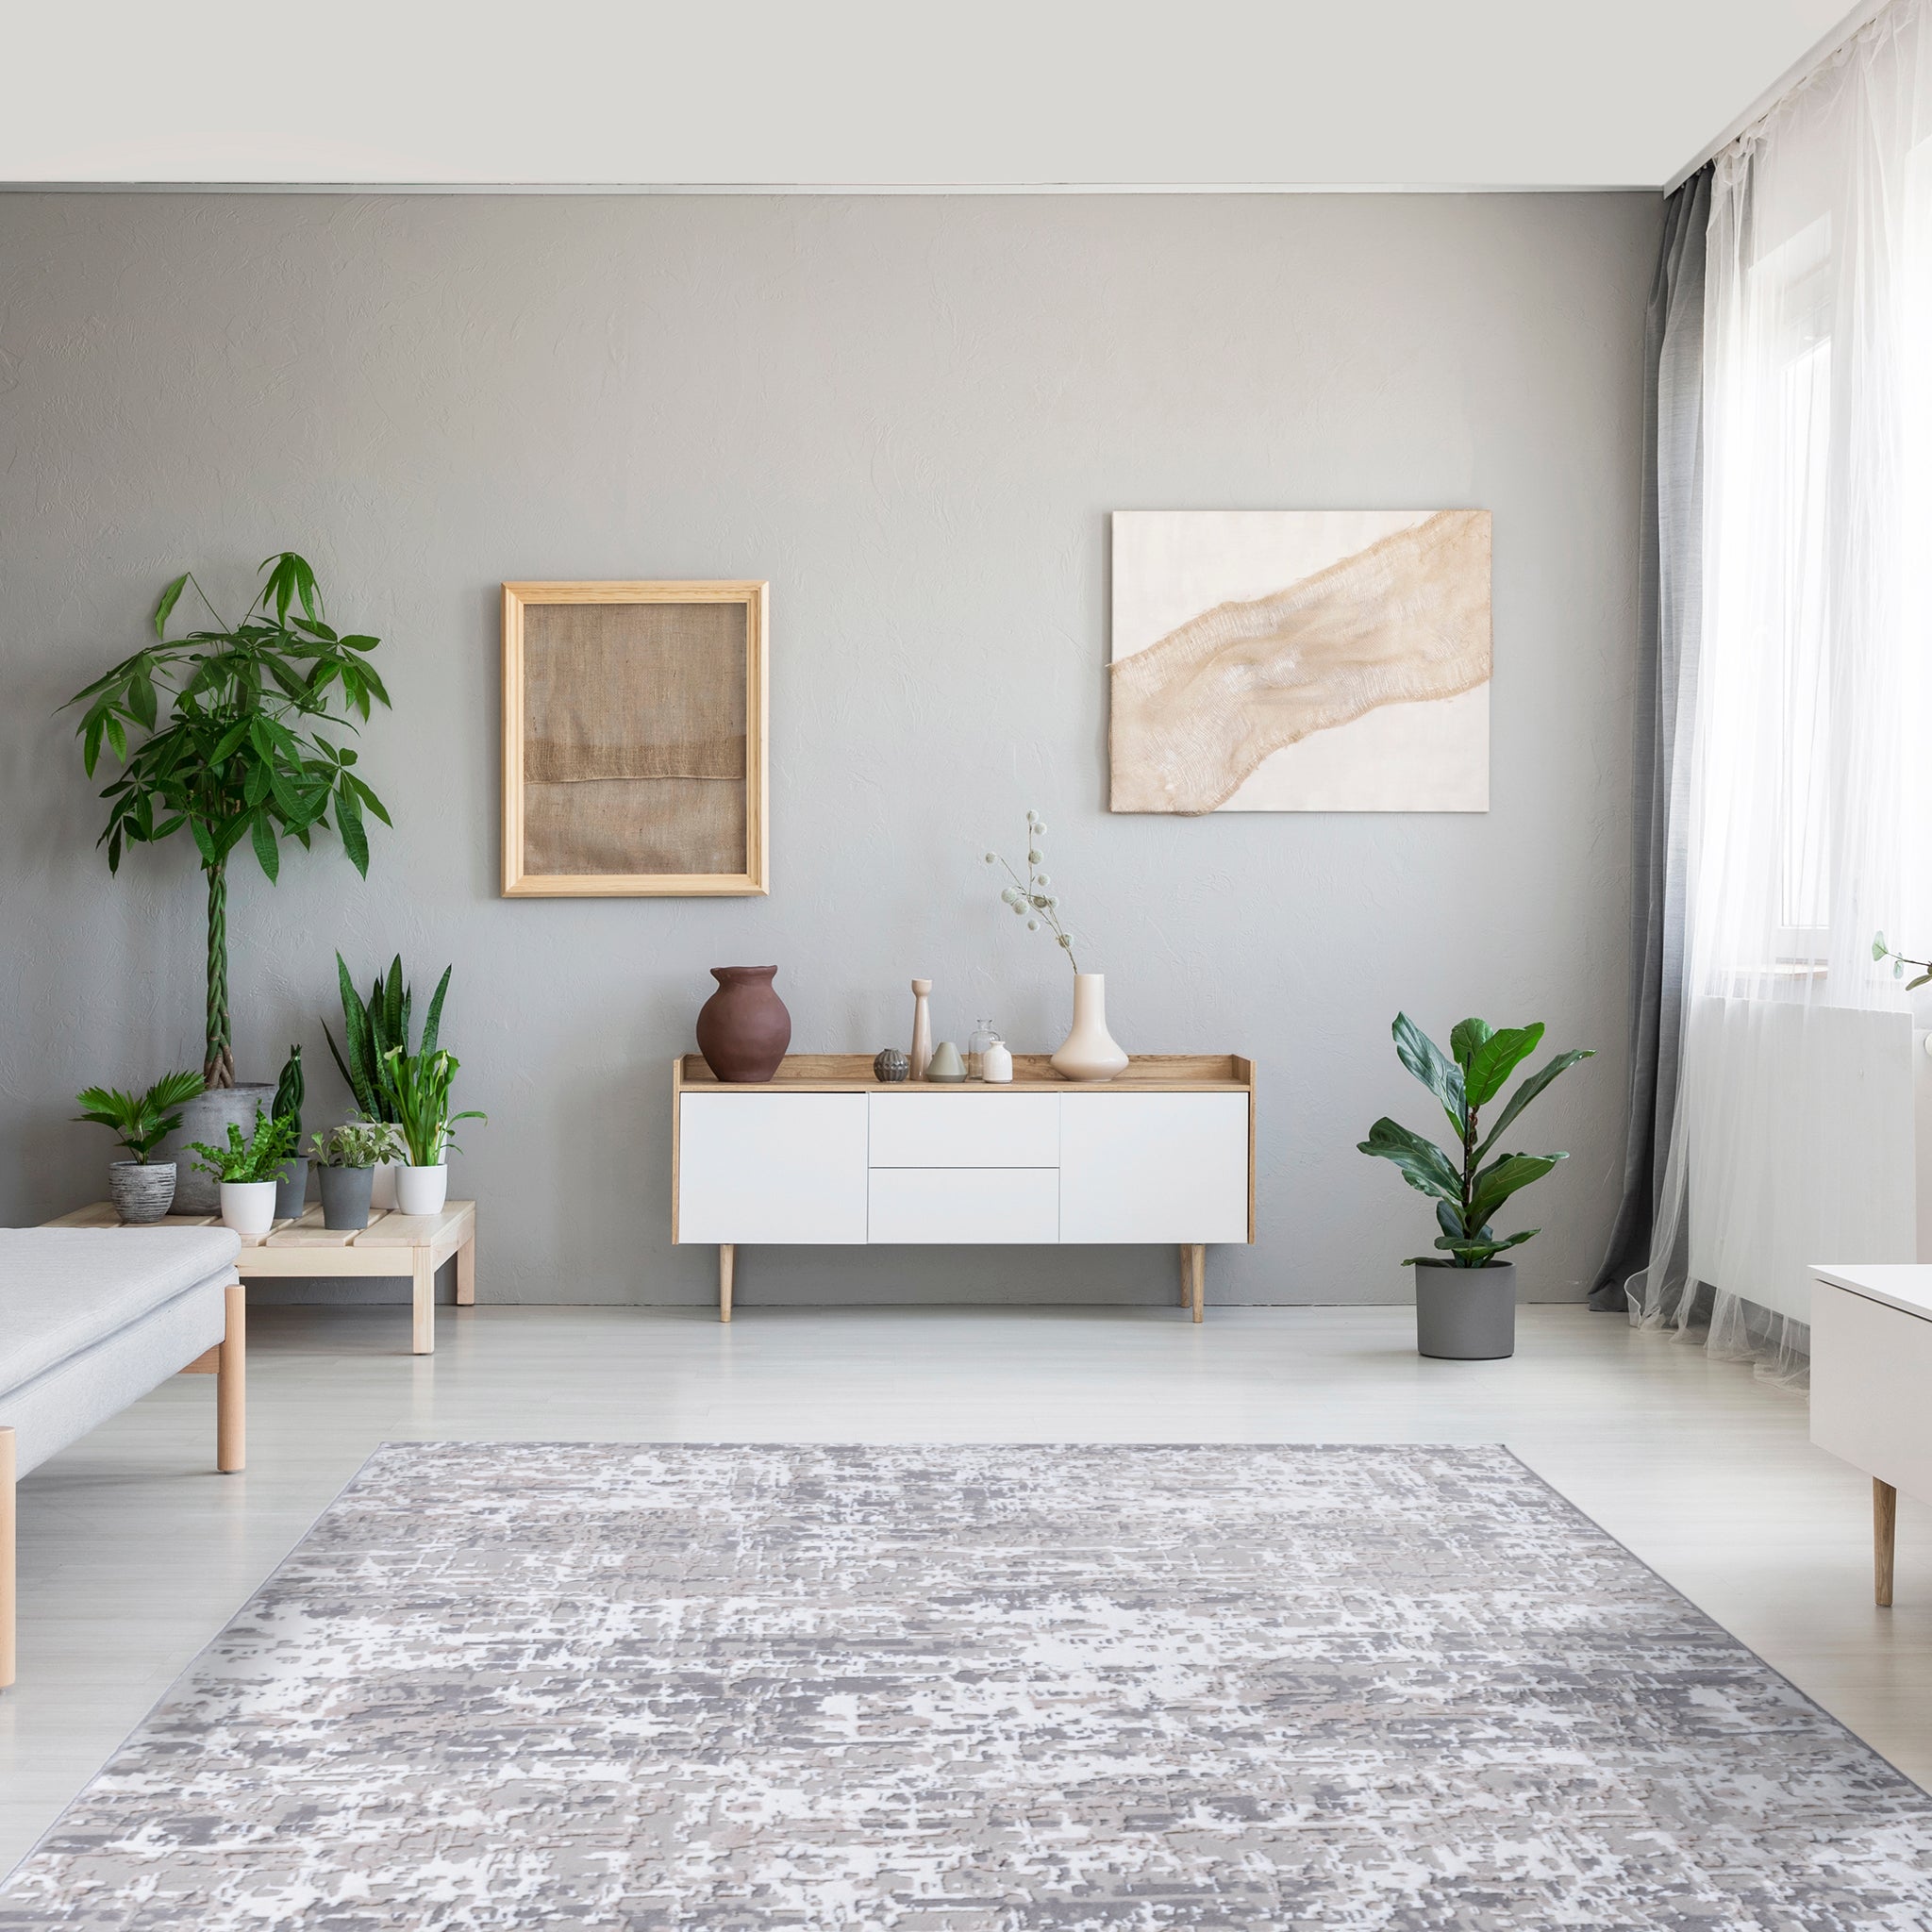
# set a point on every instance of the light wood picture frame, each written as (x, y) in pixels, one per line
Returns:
(635, 731)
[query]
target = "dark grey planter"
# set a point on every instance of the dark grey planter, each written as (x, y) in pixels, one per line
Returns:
(205, 1118)
(292, 1188)
(1465, 1314)
(346, 1197)
(141, 1191)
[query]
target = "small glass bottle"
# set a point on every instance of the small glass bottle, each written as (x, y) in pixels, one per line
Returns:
(982, 1037)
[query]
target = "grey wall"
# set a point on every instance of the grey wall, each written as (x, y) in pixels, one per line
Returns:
(911, 415)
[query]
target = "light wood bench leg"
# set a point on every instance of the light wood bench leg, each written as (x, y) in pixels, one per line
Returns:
(1187, 1255)
(466, 1274)
(1197, 1268)
(7, 1570)
(231, 1386)
(1884, 1540)
(423, 1302)
(727, 1266)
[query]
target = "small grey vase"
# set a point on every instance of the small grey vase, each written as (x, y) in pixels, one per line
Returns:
(292, 1188)
(346, 1197)
(1465, 1314)
(141, 1191)
(889, 1066)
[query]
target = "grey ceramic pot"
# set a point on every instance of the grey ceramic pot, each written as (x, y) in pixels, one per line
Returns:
(205, 1118)
(346, 1197)
(1466, 1314)
(141, 1191)
(292, 1188)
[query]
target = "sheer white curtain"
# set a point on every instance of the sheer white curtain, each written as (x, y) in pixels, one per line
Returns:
(1808, 739)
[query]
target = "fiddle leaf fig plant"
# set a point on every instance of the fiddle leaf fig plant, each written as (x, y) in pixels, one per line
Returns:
(215, 731)
(1467, 1188)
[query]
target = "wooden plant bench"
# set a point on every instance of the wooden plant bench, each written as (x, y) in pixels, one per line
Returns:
(393, 1244)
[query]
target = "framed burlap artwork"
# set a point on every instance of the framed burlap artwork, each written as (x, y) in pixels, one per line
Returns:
(634, 729)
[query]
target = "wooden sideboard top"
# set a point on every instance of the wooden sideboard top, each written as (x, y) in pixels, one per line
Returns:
(851, 1073)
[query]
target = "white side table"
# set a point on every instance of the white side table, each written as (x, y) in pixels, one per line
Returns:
(1870, 1371)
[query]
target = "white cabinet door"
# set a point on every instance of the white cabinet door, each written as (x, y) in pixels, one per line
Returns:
(771, 1166)
(1154, 1167)
(981, 1205)
(1870, 1367)
(965, 1129)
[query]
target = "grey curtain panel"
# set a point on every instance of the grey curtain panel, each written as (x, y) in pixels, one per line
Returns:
(1670, 587)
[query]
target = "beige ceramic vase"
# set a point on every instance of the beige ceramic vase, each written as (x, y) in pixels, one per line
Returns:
(1089, 1052)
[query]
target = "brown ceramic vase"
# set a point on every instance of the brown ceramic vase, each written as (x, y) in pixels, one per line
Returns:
(743, 1029)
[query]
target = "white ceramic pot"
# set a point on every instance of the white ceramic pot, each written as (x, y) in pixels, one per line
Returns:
(382, 1186)
(422, 1189)
(1089, 1052)
(248, 1207)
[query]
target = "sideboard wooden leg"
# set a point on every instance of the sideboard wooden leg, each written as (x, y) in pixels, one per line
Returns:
(1884, 1540)
(727, 1262)
(466, 1274)
(1187, 1255)
(1198, 1268)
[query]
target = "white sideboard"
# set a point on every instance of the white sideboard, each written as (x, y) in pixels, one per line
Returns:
(1871, 1368)
(822, 1154)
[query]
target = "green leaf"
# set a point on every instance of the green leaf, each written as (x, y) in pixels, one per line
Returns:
(1503, 1177)
(370, 800)
(1499, 1057)
(204, 841)
(359, 1042)
(1467, 1036)
(141, 702)
(1912, 985)
(1528, 1091)
(169, 597)
(1425, 1061)
(432, 1020)
(1423, 1165)
(117, 737)
(1879, 948)
(349, 824)
(263, 834)
(395, 1009)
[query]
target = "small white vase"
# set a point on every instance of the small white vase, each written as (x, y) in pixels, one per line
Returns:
(1089, 1052)
(382, 1186)
(422, 1189)
(248, 1207)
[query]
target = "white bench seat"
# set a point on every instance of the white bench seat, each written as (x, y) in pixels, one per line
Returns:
(93, 1319)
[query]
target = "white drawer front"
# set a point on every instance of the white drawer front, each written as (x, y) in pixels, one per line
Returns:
(771, 1167)
(965, 1129)
(1870, 1367)
(1154, 1167)
(987, 1206)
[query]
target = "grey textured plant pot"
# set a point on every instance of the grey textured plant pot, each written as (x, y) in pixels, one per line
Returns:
(1466, 1314)
(292, 1188)
(141, 1191)
(346, 1197)
(205, 1118)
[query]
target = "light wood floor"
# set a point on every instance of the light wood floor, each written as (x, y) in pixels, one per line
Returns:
(134, 1554)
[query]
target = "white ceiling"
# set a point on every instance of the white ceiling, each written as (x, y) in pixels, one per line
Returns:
(880, 93)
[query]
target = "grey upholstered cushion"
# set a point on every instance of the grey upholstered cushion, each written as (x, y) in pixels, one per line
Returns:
(63, 1289)
(80, 1393)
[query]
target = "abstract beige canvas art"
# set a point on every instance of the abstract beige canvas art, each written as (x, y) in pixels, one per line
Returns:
(1300, 660)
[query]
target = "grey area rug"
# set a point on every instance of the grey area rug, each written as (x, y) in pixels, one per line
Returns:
(976, 1690)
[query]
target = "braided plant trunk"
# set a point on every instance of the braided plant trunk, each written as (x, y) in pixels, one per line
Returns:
(218, 1068)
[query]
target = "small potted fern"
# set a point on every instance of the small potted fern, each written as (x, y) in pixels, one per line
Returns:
(141, 1189)
(1465, 1298)
(245, 1171)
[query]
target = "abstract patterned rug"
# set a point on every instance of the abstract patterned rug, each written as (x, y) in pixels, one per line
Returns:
(976, 1690)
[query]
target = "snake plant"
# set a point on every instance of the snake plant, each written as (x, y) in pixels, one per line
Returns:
(373, 1029)
(1472, 1073)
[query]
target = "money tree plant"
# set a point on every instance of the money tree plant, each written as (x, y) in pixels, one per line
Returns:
(216, 732)
(1467, 1188)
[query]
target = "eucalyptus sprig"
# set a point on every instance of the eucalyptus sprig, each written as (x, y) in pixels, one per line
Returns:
(1899, 962)
(1029, 897)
